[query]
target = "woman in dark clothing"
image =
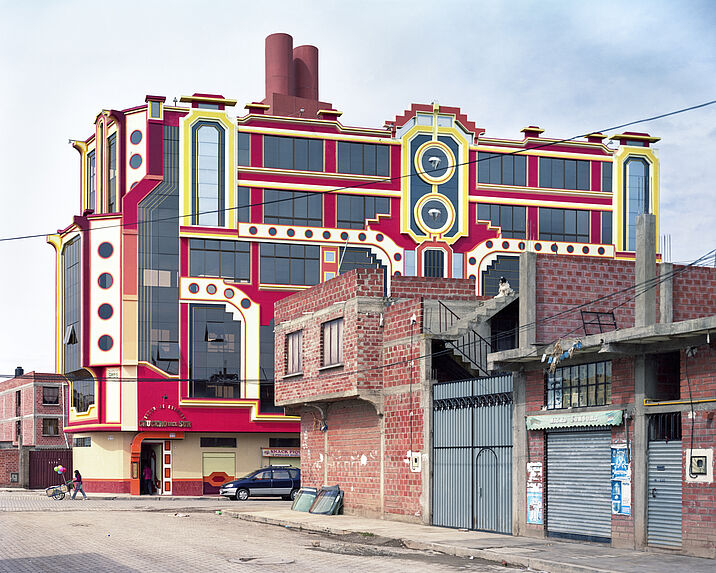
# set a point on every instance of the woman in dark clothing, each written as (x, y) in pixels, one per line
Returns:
(78, 485)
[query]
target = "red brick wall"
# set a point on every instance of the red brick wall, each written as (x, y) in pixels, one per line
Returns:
(694, 293)
(698, 516)
(438, 288)
(8, 465)
(564, 282)
(347, 454)
(536, 440)
(700, 384)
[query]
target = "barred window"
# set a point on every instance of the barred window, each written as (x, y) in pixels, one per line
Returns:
(50, 427)
(332, 342)
(579, 386)
(82, 442)
(294, 349)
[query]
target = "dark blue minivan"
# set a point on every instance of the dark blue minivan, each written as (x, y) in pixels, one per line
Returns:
(283, 481)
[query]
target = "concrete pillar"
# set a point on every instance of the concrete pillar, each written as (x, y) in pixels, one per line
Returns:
(519, 454)
(666, 293)
(639, 447)
(528, 299)
(645, 301)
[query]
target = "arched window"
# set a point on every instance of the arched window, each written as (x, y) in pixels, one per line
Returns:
(636, 197)
(207, 174)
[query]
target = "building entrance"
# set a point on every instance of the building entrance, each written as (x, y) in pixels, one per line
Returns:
(151, 468)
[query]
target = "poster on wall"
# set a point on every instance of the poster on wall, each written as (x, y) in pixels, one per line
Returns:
(534, 493)
(621, 481)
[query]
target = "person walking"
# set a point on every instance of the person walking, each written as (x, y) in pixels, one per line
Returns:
(78, 485)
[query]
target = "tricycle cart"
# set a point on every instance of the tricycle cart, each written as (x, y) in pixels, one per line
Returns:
(59, 491)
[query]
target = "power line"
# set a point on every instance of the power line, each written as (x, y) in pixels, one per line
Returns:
(382, 180)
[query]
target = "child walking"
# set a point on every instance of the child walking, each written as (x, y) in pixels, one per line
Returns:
(78, 485)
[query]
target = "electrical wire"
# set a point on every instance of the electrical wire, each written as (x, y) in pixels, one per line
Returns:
(382, 180)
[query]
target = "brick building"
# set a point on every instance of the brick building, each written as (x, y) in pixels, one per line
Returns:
(193, 219)
(33, 410)
(612, 443)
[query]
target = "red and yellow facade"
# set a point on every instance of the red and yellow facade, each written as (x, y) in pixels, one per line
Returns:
(192, 221)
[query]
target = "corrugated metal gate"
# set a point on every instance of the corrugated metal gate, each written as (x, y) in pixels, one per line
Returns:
(472, 454)
(664, 494)
(579, 485)
(42, 463)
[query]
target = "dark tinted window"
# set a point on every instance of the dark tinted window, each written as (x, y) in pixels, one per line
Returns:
(112, 167)
(579, 386)
(511, 219)
(284, 442)
(290, 264)
(50, 395)
(606, 176)
(563, 225)
(243, 211)
(434, 263)
(215, 258)
(217, 442)
(215, 361)
(502, 168)
(607, 227)
(82, 390)
(91, 182)
(363, 158)
(242, 143)
(293, 208)
(352, 211)
(72, 294)
(564, 173)
(293, 153)
(281, 474)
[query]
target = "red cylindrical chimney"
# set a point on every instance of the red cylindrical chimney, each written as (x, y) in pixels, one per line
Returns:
(305, 62)
(279, 65)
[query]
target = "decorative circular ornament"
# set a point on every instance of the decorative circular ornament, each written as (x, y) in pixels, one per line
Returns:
(229, 293)
(308, 233)
(272, 231)
(193, 288)
(585, 250)
(434, 214)
(245, 303)
(505, 245)
(434, 162)
(136, 137)
(290, 232)
(211, 289)
(135, 161)
(105, 280)
(601, 250)
(105, 342)
(105, 250)
(105, 311)
(570, 248)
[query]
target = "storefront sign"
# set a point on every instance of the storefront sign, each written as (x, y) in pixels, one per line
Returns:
(281, 452)
(145, 422)
(534, 493)
(576, 419)
(621, 481)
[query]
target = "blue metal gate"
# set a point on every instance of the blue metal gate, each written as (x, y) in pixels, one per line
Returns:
(472, 454)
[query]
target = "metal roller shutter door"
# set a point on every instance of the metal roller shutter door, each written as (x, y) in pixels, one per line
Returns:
(579, 484)
(664, 503)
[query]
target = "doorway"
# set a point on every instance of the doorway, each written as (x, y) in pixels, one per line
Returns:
(151, 458)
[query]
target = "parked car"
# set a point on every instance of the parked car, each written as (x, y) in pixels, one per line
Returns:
(284, 481)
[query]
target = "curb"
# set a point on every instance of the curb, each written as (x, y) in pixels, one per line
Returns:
(537, 563)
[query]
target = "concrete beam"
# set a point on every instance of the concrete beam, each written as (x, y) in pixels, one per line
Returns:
(645, 271)
(666, 293)
(528, 300)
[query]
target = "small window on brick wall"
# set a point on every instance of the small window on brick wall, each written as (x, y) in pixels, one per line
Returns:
(50, 427)
(332, 342)
(50, 395)
(294, 344)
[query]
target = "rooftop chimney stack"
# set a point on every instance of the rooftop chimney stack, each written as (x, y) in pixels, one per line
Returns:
(292, 79)
(19, 371)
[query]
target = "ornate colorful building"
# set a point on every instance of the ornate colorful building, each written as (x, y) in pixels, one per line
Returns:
(194, 220)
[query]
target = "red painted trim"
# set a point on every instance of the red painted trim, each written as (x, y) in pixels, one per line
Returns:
(596, 176)
(257, 197)
(595, 234)
(532, 223)
(331, 155)
(288, 178)
(606, 201)
(533, 171)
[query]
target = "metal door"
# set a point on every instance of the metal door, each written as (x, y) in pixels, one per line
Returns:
(664, 494)
(42, 464)
(472, 454)
(579, 485)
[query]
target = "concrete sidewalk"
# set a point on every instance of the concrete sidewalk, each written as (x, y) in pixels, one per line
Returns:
(540, 554)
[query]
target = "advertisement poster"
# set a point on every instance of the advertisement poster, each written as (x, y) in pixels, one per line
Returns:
(621, 481)
(534, 493)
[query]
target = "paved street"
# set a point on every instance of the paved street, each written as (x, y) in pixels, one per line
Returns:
(147, 535)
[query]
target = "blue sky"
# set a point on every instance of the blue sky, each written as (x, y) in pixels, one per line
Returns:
(569, 67)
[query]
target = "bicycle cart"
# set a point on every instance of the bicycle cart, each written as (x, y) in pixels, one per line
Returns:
(59, 491)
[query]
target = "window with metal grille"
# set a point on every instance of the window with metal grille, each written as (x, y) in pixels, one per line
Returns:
(434, 263)
(85, 442)
(50, 427)
(294, 349)
(664, 427)
(332, 342)
(579, 386)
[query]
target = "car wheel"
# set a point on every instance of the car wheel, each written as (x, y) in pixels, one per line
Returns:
(242, 494)
(293, 494)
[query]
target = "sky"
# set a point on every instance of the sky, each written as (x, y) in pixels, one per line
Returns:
(569, 67)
